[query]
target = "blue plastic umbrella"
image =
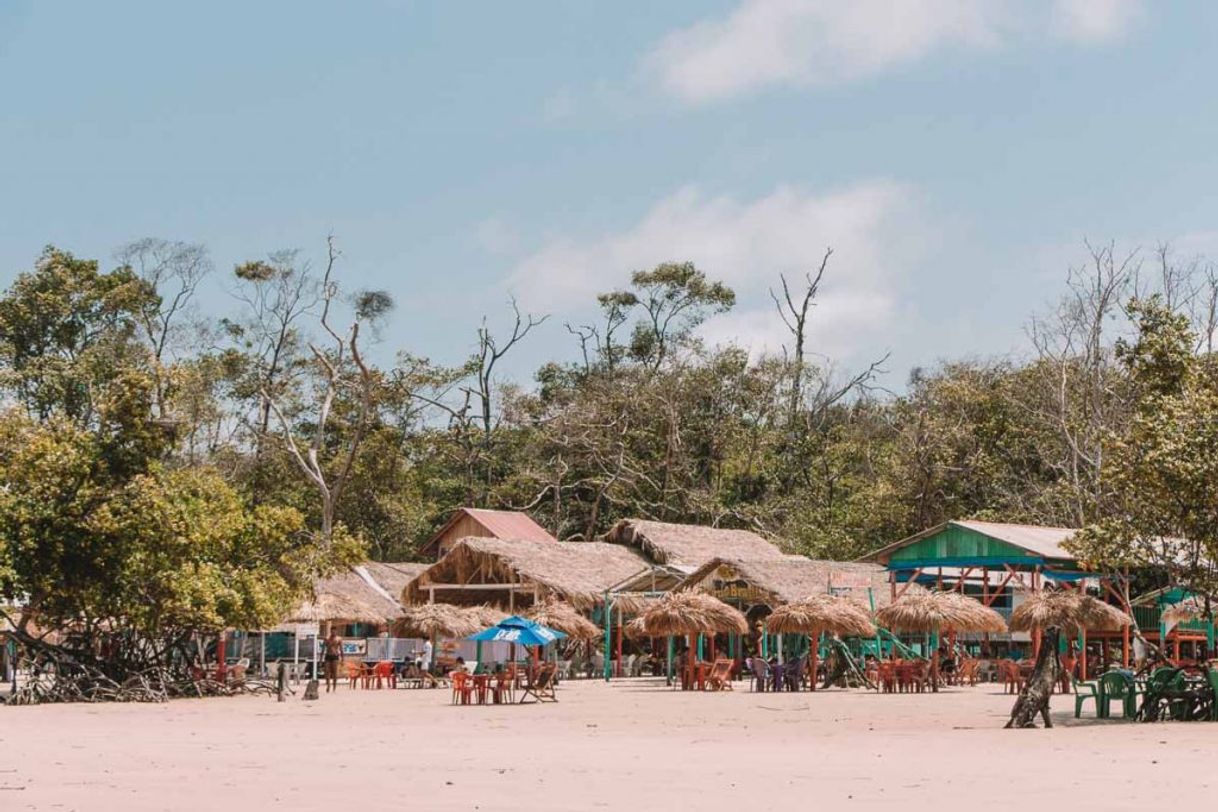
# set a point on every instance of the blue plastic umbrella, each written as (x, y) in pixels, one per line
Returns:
(519, 630)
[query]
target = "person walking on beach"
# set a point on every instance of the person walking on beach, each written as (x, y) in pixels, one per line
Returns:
(333, 656)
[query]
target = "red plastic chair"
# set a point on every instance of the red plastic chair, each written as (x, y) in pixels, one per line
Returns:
(355, 673)
(462, 687)
(383, 674)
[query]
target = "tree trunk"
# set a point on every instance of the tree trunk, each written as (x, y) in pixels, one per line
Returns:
(1034, 698)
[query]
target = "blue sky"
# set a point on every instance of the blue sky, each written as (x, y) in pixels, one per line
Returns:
(954, 153)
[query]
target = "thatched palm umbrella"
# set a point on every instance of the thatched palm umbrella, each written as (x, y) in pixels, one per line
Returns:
(1069, 611)
(932, 611)
(935, 611)
(821, 613)
(692, 613)
(689, 613)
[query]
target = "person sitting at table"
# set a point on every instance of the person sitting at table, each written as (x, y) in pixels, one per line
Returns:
(460, 665)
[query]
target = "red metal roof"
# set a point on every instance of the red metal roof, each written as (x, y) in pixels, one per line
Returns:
(500, 524)
(510, 524)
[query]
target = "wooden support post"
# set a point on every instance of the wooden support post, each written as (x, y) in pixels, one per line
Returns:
(1082, 654)
(1125, 647)
(813, 653)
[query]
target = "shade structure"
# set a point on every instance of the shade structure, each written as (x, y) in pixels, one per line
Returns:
(939, 611)
(556, 614)
(680, 613)
(431, 620)
(821, 613)
(1069, 610)
(519, 630)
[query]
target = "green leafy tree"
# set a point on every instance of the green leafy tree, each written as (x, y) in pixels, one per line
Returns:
(1161, 508)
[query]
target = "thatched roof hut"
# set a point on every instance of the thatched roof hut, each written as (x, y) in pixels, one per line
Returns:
(347, 597)
(504, 573)
(775, 582)
(565, 618)
(679, 613)
(689, 546)
(1069, 610)
(821, 613)
(939, 611)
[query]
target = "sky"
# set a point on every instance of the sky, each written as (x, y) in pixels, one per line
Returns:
(955, 154)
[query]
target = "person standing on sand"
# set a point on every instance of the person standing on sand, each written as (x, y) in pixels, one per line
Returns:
(333, 656)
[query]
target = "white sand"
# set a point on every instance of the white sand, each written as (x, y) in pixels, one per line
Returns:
(629, 745)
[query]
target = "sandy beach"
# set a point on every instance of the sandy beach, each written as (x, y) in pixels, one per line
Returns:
(625, 745)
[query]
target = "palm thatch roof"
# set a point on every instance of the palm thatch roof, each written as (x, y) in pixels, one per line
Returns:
(576, 572)
(393, 576)
(565, 618)
(689, 613)
(939, 611)
(687, 545)
(1070, 610)
(775, 582)
(821, 613)
(440, 620)
(347, 597)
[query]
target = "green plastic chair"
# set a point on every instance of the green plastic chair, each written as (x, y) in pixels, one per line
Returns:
(1092, 692)
(1213, 678)
(1117, 686)
(1162, 679)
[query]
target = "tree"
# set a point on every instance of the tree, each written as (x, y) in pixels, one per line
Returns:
(340, 373)
(127, 571)
(172, 272)
(1160, 509)
(675, 298)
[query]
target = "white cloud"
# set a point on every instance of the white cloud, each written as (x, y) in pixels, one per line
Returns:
(871, 227)
(817, 42)
(1094, 21)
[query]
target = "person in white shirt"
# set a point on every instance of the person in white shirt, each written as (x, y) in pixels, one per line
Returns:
(425, 664)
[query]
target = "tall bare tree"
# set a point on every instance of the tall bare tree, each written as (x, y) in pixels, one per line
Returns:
(341, 372)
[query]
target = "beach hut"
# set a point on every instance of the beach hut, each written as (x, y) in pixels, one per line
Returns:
(999, 564)
(515, 576)
(348, 597)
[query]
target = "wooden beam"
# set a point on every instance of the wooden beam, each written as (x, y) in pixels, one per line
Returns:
(475, 587)
(908, 583)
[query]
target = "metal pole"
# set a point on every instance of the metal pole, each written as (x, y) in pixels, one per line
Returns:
(669, 669)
